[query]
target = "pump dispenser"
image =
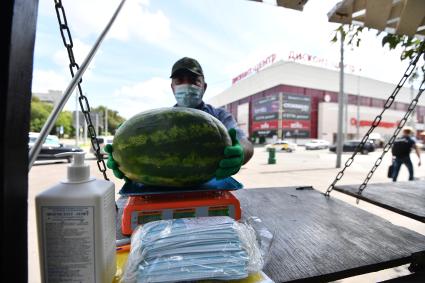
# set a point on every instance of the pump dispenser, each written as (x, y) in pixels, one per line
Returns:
(78, 171)
(76, 227)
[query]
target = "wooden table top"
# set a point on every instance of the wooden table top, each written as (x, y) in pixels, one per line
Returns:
(406, 198)
(320, 239)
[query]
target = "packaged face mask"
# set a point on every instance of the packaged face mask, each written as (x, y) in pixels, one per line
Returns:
(194, 247)
(188, 95)
(191, 249)
(155, 230)
(194, 272)
(194, 266)
(201, 258)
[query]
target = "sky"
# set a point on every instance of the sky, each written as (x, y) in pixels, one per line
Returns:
(131, 69)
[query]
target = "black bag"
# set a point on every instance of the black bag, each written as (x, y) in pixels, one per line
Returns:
(401, 147)
(390, 171)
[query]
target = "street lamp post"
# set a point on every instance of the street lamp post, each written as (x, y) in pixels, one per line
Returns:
(412, 122)
(358, 109)
(97, 122)
(340, 106)
(77, 120)
(106, 121)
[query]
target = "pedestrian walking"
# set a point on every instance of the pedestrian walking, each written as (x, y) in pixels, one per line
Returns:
(401, 149)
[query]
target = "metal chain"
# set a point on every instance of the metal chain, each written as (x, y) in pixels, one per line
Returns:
(388, 146)
(378, 119)
(73, 67)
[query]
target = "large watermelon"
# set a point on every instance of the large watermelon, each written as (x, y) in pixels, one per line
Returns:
(174, 147)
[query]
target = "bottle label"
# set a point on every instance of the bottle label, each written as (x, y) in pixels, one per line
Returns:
(109, 230)
(68, 241)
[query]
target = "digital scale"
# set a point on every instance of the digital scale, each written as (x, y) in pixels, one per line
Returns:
(142, 209)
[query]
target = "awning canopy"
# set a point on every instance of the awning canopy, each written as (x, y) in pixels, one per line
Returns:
(403, 17)
(291, 4)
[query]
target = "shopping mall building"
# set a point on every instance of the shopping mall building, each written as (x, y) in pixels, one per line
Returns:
(308, 96)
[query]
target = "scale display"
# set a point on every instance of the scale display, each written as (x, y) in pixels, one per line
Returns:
(140, 210)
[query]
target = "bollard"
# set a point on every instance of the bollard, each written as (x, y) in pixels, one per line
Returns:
(272, 156)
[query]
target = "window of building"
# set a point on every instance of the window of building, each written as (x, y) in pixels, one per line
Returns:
(379, 103)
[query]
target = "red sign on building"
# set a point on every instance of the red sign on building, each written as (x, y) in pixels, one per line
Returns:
(296, 124)
(265, 125)
(366, 123)
(268, 61)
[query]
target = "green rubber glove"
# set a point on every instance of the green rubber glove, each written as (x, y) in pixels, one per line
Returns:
(233, 158)
(112, 164)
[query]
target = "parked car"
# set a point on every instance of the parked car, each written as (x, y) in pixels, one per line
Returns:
(32, 137)
(50, 147)
(317, 144)
(351, 145)
(377, 140)
(103, 141)
(283, 145)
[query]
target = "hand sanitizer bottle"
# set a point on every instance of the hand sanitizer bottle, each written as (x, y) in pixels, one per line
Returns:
(76, 227)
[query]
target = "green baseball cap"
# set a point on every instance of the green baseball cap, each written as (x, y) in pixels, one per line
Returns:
(188, 64)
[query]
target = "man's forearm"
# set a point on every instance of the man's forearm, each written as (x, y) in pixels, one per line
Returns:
(248, 149)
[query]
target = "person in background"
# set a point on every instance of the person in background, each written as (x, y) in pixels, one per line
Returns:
(188, 86)
(401, 149)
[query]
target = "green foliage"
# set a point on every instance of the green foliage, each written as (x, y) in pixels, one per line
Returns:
(411, 46)
(40, 111)
(114, 119)
(65, 120)
(351, 32)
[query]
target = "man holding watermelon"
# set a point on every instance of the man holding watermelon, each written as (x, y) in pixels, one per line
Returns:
(188, 86)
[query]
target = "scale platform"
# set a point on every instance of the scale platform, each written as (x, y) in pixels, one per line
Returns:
(319, 239)
(139, 189)
(405, 198)
(147, 203)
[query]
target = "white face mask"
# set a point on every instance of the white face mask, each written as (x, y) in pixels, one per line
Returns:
(189, 250)
(188, 95)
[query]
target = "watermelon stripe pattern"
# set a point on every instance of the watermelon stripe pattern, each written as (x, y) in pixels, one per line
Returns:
(174, 147)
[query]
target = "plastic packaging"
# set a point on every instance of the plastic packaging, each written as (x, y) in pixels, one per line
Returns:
(263, 235)
(193, 249)
(76, 227)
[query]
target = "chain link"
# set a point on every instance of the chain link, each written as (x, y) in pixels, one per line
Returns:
(73, 67)
(390, 143)
(376, 122)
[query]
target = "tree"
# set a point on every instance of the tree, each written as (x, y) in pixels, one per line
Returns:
(114, 119)
(65, 120)
(40, 111)
(411, 46)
